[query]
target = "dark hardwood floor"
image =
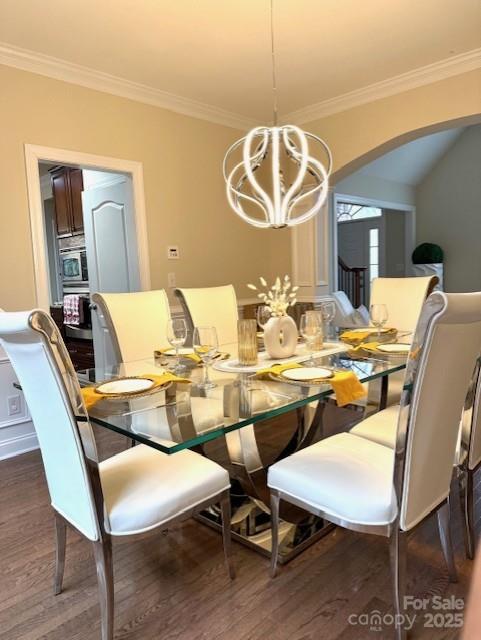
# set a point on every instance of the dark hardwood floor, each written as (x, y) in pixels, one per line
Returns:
(174, 586)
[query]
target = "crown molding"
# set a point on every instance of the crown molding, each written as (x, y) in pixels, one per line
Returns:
(99, 81)
(428, 74)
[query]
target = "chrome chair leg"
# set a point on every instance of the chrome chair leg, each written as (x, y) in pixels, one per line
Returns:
(444, 524)
(226, 533)
(105, 577)
(275, 499)
(398, 557)
(60, 546)
(466, 493)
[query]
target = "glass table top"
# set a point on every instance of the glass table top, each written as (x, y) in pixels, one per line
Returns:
(182, 415)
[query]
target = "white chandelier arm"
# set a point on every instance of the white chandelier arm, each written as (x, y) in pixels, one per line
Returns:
(296, 185)
(326, 149)
(321, 188)
(233, 192)
(250, 174)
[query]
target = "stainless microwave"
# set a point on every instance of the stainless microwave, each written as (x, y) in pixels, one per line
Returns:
(73, 266)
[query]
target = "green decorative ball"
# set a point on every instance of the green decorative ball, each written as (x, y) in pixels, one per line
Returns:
(427, 253)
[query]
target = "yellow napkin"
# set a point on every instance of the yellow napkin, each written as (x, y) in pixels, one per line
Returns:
(276, 369)
(367, 346)
(191, 356)
(356, 337)
(91, 397)
(345, 383)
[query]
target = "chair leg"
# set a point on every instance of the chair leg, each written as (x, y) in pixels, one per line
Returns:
(398, 557)
(226, 533)
(466, 493)
(60, 546)
(275, 499)
(105, 577)
(444, 524)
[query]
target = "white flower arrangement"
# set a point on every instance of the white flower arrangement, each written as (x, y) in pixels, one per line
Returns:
(277, 298)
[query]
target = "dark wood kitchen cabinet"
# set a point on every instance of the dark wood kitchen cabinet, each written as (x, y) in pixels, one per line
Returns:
(67, 187)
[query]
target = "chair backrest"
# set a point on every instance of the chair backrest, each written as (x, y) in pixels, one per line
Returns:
(137, 322)
(404, 298)
(42, 365)
(471, 423)
(440, 368)
(213, 307)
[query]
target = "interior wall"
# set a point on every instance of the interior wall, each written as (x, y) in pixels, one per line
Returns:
(448, 211)
(358, 135)
(184, 189)
(366, 186)
(395, 243)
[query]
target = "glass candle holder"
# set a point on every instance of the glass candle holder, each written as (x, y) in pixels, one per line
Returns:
(247, 339)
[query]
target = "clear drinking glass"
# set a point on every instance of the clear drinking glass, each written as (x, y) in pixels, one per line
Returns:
(311, 330)
(177, 335)
(263, 315)
(205, 345)
(328, 312)
(379, 316)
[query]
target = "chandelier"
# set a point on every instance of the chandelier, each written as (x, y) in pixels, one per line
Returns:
(257, 169)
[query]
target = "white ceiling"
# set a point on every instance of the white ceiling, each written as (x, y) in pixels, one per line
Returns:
(410, 163)
(217, 52)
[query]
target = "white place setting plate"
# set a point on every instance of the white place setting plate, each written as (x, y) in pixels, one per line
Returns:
(184, 351)
(125, 386)
(401, 348)
(306, 374)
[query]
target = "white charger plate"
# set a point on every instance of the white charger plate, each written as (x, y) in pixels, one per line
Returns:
(401, 348)
(125, 386)
(306, 374)
(367, 329)
(184, 351)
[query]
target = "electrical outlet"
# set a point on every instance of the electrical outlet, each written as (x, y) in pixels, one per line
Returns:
(173, 252)
(171, 280)
(14, 405)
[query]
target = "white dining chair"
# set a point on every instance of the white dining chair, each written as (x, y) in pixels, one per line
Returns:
(367, 487)
(133, 492)
(403, 297)
(212, 306)
(137, 322)
(347, 317)
(469, 457)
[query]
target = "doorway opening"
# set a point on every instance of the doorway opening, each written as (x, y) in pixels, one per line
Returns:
(374, 240)
(88, 230)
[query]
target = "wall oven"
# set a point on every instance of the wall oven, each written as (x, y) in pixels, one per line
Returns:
(73, 266)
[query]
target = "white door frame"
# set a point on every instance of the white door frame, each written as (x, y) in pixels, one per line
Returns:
(35, 154)
(410, 228)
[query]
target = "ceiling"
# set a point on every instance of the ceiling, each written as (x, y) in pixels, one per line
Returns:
(217, 52)
(411, 163)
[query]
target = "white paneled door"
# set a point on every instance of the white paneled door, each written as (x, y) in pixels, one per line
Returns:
(112, 252)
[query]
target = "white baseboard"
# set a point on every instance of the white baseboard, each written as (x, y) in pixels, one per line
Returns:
(17, 445)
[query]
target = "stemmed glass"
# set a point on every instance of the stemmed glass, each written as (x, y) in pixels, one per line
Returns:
(379, 316)
(311, 330)
(177, 335)
(205, 345)
(263, 315)
(328, 312)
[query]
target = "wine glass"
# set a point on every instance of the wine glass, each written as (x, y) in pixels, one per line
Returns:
(205, 345)
(177, 335)
(379, 316)
(263, 315)
(328, 312)
(311, 330)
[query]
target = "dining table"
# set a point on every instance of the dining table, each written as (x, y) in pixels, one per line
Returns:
(251, 418)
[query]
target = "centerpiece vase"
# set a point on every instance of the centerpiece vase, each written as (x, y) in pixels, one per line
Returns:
(280, 337)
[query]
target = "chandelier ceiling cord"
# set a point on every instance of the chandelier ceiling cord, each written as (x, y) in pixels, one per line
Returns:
(280, 205)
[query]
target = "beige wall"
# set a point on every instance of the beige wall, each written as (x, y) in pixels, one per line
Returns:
(366, 186)
(448, 211)
(184, 189)
(353, 135)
